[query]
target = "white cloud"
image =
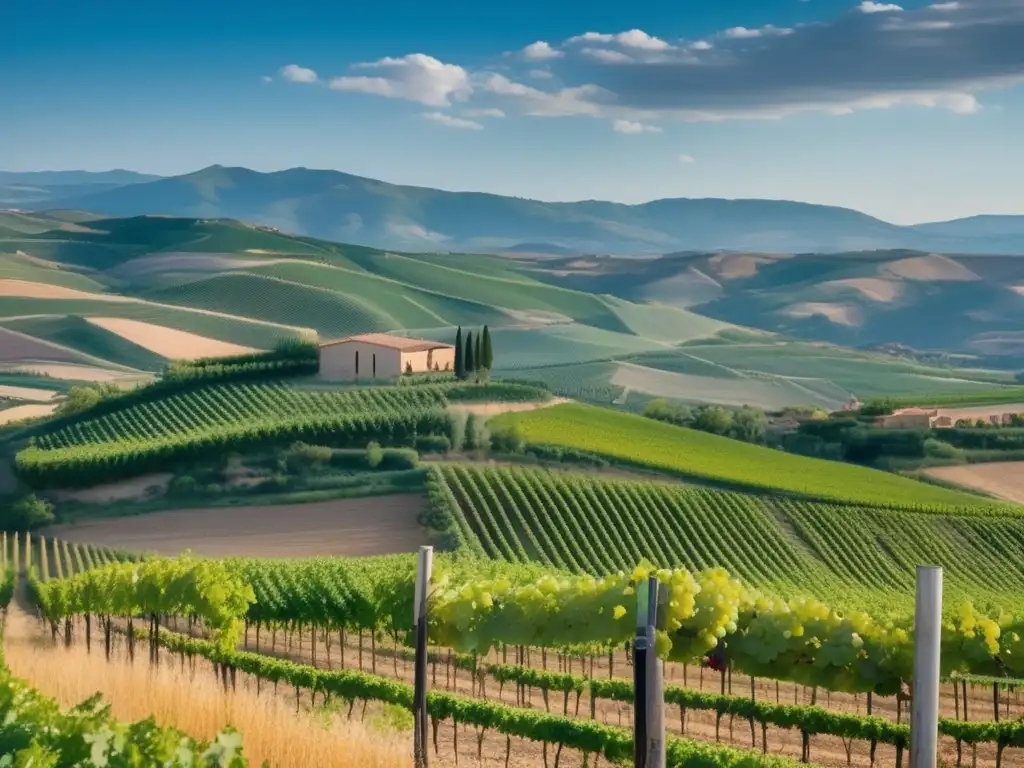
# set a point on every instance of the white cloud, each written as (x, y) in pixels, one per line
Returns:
(742, 33)
(452, 121)
(686, 159)
(415, 77)
(637, 38)
(541, 51)
(631, 38)
(701, 45)
(591, 37)
(540, 74)
(870, 6)
(632, 126)
(606, 55)
(580, 100)
(267, 79)
(951, 6)
(296, 74)
(484, 113)
(410, 231)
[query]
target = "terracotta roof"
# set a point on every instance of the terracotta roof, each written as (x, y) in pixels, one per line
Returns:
(400, 343)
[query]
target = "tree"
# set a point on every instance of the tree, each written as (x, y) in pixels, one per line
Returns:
(714, 419)
(27, 513)
(374, 454)
(468, 359)
(460, 361)
(478, 354)
(749, 424)
(471, 433)
(488, 360)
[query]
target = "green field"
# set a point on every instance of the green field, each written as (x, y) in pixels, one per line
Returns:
(636, 440)
(587, 524)
(81, 335)
(18, 267)
(237, 330)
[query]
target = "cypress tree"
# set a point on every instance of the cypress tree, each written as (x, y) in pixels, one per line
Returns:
(468, 361)
(488, 358)
(460, 363)
(478, 354)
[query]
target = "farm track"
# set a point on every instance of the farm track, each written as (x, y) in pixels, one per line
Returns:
(825, 750)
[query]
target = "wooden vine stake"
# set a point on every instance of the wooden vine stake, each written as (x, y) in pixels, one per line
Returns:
(423, 571)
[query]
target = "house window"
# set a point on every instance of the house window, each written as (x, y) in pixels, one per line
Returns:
(357, 362)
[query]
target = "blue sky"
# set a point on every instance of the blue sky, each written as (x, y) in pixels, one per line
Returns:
(909, 112)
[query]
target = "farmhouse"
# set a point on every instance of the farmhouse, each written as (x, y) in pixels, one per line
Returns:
(909, 418)
(382, 356)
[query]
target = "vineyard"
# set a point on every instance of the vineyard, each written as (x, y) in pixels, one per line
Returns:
(584, 524)
(699, 455)
(479, 608)
(213, 420)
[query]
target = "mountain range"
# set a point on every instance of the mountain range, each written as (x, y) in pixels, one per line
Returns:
(342, 207)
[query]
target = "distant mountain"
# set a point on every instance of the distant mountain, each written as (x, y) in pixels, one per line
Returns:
(977, 226)
(342, 207)
(35, 188)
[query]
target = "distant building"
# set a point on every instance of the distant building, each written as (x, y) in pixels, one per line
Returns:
(909, 418)
(382, 356)
(853, 404)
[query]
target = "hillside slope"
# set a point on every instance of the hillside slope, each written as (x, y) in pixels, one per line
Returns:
(340, 206)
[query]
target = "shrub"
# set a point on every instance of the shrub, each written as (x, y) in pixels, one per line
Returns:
(26, 514)
(398, 459)
(301, 458)
(273, 484)
(433, 444)
(183, 485)
(507, 439)
(374, 454)
(940, 450)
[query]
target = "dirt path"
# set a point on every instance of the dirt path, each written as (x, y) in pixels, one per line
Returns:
(493, 409)
(1004, 480)
(343, 527)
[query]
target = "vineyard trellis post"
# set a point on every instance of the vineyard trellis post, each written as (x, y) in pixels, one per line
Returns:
(648, 682)
(924, 713)
(424, 566)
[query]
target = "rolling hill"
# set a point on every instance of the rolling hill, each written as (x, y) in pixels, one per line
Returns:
(137, 291)
(339, 206)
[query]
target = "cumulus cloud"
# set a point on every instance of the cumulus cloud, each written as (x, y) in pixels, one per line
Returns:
(686, 159)
(742, 33)
(293, 73)
(415, 77)
(856, 61)
(541, 51)
(606, 55)
(267, 79)
(452, 122)
(631, 38)
(632, 126)
(484, 113)
(870, 6)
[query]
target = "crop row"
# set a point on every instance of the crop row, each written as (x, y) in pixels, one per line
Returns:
(587, 736)
(478, 606)
(586, 524)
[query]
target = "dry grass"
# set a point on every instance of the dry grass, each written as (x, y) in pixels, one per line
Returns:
(272, 730)
(841, 314)
(19, 412)
(31, 290)
(933, 267)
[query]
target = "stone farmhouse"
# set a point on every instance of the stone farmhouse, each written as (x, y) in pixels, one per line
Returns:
(382, 356)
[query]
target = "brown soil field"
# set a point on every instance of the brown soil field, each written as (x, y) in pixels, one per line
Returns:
(168, 342)
(1004, 479)
(27, 393)
(928, 268)
(19, 412)
(842, 314)
(874, 288)
(378, 525)
(82, 373)
(981, 411)
(493, 409)
(30, 290)
(125, 490)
